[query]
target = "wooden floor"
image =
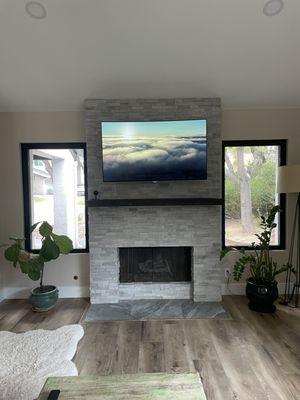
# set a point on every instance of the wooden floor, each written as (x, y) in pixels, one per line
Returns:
(253, 356)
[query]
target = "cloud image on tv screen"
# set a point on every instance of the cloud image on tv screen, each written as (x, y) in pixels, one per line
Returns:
(154, 151)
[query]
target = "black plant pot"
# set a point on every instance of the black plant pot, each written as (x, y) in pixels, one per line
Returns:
(261, 297)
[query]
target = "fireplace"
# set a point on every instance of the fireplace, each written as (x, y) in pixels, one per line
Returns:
(169, 229)
(155, 264)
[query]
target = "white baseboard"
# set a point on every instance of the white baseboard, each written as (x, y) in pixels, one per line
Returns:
(74, 291)
(84, 291)
(64, 292)
(240, 288)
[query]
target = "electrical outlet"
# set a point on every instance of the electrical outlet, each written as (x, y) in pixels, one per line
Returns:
(227, 272)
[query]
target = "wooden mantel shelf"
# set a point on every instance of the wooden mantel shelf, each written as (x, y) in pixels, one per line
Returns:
(155, 202)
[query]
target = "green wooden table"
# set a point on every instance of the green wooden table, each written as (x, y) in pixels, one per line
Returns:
(159, 386)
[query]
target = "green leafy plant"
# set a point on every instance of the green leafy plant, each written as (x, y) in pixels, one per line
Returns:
(263, 268)
(33, 264)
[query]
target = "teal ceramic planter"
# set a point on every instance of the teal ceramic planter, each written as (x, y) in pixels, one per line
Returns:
(43, 300)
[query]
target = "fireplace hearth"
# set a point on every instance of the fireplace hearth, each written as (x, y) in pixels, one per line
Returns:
(155, 264)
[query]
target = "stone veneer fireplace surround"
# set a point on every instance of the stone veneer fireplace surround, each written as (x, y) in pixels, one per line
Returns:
(196, 226)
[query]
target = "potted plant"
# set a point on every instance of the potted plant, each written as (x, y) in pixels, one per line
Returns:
(43, 297)
(261, 287)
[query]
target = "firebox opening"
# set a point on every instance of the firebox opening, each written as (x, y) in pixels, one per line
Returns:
(155, 264)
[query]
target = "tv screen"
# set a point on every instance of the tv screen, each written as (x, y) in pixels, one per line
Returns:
(154, 151)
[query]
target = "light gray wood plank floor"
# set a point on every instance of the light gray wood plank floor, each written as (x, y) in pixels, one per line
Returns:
(254, 356)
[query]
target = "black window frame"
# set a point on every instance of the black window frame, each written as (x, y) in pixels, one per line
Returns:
(25, 148)
(282, 144)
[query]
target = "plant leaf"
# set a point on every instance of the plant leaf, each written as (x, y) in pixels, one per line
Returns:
(225, 251)
(49, 250)
(24, 266)
(32, 228)
(35, 266)
(18, 241)
(34, 274)
(45, 229)
(12, 253)
(24, 257)
(64, 243)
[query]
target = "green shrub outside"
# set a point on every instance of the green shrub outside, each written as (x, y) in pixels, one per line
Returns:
(262, 190)
(232, 196)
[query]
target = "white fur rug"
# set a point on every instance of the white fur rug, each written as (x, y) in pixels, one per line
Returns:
(28, 359)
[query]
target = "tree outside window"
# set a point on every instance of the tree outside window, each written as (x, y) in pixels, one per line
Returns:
(250, 191)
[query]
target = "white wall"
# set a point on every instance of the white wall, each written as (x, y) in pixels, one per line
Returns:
(16, 128)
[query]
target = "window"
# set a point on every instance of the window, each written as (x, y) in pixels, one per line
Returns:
(249, 190)
(55, 191)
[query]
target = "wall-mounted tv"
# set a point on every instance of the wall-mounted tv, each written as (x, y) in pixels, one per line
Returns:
(154, 150)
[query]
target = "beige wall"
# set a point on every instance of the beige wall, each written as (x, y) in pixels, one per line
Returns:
(16, 128)
(267, 124)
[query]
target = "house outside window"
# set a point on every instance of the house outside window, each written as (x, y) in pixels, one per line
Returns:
(55, 191)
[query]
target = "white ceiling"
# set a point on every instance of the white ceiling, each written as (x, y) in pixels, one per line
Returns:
(148, 48)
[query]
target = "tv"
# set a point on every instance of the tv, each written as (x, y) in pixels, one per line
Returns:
(154, 150)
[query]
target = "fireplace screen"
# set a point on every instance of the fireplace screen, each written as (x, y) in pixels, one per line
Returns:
(155, 264)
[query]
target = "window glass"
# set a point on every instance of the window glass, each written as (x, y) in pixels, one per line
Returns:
(250, 191)
(57, 192)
